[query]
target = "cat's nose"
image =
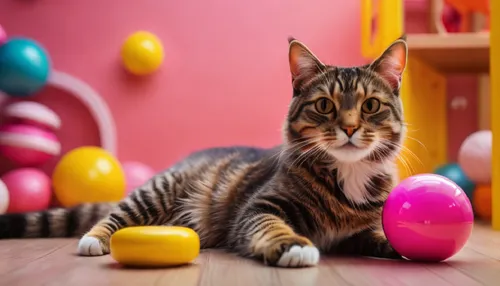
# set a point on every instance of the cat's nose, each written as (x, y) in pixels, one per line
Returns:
(349, 130)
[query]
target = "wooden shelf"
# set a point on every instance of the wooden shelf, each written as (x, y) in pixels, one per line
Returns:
(452, 53)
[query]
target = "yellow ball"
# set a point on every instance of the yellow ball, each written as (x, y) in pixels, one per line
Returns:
(142, 53)
(88, 175)
(155, 245)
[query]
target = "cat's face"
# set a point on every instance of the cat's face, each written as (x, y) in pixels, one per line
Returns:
(349, 114)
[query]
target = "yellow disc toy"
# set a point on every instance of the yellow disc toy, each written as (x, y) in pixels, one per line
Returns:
(88, 175)
(142, 53)
(154, 246)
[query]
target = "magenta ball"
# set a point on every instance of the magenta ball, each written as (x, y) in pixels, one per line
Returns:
(136, 174)
(29, 190)
(27, 145)
(427, 217)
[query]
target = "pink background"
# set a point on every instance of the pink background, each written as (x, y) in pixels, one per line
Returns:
(225, 79)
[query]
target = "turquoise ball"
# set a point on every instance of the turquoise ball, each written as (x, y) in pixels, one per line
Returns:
(24, 67)
(456, 174)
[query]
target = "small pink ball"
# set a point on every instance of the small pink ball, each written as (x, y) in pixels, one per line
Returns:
(3, 36)
(29, 190)
(427, 217)
(28, 146)
(32, 113)
(474, 156)
(136, 174)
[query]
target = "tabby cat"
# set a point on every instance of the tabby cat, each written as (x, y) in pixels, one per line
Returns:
(322, 190)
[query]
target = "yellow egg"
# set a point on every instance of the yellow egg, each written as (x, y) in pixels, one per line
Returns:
(142, 53)
(87, 175)
(155, 245)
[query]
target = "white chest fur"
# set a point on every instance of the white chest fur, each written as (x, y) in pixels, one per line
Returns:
(357, 177)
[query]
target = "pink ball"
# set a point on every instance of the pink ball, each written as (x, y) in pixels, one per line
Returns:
(32, 113)
(27, 145)
(474, 156)
(3, 36)
(427, 217)
(29, 190)
(136, 174)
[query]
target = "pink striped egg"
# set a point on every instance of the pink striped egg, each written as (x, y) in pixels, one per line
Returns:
(32, 113)
(28, 146)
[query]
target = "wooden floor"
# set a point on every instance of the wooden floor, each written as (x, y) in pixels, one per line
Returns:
(53, 262)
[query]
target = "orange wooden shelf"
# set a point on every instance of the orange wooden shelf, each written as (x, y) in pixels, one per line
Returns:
(453, 52)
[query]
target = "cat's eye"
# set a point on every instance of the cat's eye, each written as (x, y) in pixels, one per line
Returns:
(324, 105)
(371, 105)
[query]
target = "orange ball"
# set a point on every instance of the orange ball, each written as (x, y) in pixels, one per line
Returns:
(481, 201)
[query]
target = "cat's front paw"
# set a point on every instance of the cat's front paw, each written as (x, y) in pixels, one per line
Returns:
(293, 251)
(92, 246)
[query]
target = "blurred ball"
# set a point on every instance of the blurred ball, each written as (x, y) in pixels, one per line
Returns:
(427, 217)
(474, 157)
(27, 145)
(136, 174)
(29, 190)
(88, 175)
(24, 67)
(142, 53)
(3, 36)
(482, 201)
(457, 175)
(32, 113)
(4, 198)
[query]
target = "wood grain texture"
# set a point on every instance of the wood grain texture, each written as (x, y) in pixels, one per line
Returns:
(53, 262)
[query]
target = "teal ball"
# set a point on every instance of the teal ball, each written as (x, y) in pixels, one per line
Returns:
(24, 67)
(457, 175)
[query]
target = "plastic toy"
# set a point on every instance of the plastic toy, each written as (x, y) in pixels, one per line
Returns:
(457, 175)
(88, 174)
(28, 146)
(24, 67)
(154, 246)
(142, 53)
(427, 217)
(136, 174)
(481, 201)
(4, 198)
(29, 190)
(474, 156)
(3, 36)
(32, 113)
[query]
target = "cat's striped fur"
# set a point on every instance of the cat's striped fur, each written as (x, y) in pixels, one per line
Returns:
(321, 191)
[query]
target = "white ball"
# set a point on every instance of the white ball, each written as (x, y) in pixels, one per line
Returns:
(474, 156)
(4, 198)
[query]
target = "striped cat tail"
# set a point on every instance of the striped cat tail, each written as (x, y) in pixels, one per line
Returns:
(56, 222)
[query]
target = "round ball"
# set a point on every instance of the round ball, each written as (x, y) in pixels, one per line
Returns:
(3, 36)
(136, 174)
(29, 190)
(142, 53)
(155, 245)
(4, 198)
(28, 146)
(32, 113)
(88, 175)
(24, 67)
(474, 156)
(481, 201)
(455, 173)
(427, 217)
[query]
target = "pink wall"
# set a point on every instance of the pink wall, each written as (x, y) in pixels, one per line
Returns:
(225, 79)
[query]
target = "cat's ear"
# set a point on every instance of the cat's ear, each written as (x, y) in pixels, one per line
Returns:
(303, 63)
(392, 63)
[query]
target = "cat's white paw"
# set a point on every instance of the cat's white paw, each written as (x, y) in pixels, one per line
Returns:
(90, 246)
(299, 256)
